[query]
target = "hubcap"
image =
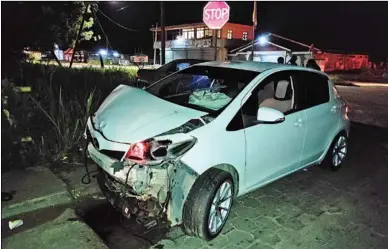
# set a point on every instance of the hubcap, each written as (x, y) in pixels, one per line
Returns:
(339, 151)
(220, 207)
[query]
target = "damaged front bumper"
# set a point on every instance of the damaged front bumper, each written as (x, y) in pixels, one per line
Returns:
(147, 192)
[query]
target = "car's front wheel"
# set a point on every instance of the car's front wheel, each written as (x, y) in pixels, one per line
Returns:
(208, 205)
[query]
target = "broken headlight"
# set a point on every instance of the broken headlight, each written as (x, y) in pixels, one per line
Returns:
(154, 151)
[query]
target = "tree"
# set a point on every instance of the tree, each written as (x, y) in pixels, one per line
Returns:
(64, 22)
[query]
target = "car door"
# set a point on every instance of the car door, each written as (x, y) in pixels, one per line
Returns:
(272, 150)
(321, 113)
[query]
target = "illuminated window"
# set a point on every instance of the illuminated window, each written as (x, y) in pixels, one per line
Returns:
(208, 33)
(229, 35)
(245, 36)
(188, 33)
(219, 33)
(200, 32)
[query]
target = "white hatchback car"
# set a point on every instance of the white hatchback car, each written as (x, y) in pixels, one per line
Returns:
(186, 146)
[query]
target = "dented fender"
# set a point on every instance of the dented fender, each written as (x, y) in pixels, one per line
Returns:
(182, 180)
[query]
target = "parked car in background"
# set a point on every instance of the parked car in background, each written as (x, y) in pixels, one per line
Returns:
(146, 77)
(185, 147)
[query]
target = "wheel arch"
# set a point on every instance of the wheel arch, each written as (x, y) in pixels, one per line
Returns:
(341, 132)
(233, 172)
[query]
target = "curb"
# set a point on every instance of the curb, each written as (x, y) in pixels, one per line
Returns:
(366, 84)
(35, 204)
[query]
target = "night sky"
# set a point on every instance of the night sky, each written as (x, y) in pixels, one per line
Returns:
(344, 26)
(347, 26)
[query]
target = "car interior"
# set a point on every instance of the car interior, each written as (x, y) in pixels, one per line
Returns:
(277, 94)
(280, 99)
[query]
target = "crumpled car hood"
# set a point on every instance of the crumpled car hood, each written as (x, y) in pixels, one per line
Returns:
(131, 115)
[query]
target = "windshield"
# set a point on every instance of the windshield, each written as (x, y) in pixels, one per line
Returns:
(203, 88)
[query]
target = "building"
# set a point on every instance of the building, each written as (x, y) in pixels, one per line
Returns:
(270, 47)
(197, 41)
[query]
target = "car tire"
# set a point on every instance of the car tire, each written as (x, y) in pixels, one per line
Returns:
(336, 156)
(210, 200)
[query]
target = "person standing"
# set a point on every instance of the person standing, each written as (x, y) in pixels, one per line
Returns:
(311, 63)
(293, 60)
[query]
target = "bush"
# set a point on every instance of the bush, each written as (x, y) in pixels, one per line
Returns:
(54, 113)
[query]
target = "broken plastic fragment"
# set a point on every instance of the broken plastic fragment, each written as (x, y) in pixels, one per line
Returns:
(15, 223)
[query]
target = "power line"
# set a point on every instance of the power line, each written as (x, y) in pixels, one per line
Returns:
(106, 37)
(118, 24)
(124, 7)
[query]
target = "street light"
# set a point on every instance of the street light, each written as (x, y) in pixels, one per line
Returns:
(263, 40)
(103, 52)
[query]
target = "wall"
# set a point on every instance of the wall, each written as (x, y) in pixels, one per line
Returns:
(341, 62)
(195, 53)
(237, 31)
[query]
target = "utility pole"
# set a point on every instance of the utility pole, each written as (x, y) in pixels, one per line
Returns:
(254, 20)
(163, 34)
(156, 38)
(215, 36)
(79, 34)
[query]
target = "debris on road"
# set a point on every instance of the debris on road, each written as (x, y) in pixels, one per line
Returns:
(12, 224)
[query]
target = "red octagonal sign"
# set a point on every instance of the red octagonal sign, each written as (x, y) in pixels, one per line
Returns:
(216, 14)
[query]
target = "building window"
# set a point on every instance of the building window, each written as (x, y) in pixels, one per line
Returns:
(208, 33)
(200, 33)
(188, 33)
(219, 33)
(245, 36)
(229, 35)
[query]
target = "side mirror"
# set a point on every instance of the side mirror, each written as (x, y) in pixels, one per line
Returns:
(266, 115)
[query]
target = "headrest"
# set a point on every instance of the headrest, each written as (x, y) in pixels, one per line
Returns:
(281, 89)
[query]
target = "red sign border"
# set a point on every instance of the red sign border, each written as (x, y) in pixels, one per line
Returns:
(204, 12)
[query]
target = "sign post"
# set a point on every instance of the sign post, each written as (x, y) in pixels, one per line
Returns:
(215, 16)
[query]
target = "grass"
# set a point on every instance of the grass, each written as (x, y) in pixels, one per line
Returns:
(55, 112)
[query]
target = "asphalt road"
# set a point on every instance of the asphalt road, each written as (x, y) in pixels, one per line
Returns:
(368, 105)
(310, 209)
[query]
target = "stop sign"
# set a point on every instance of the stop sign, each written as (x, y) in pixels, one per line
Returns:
(216, 14)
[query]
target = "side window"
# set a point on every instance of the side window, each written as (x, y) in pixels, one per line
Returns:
(182, 65)
(313, 89)
(275, 92)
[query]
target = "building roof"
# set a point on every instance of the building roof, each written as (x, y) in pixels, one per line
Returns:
(277, 42)
(253, 65)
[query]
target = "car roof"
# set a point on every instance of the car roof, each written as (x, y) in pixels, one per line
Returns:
(255, 66)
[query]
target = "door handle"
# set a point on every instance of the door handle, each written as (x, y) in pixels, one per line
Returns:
(299, 122)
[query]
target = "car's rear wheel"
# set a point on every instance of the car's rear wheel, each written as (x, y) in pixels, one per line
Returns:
(208, 205)
(338, 151)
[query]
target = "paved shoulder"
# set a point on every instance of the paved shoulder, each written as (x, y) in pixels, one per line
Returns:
(66, 231)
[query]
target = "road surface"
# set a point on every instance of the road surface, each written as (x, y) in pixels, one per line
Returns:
(367, 105)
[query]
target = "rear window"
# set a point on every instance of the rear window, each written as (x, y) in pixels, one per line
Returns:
(313, 89)
(203, 88)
